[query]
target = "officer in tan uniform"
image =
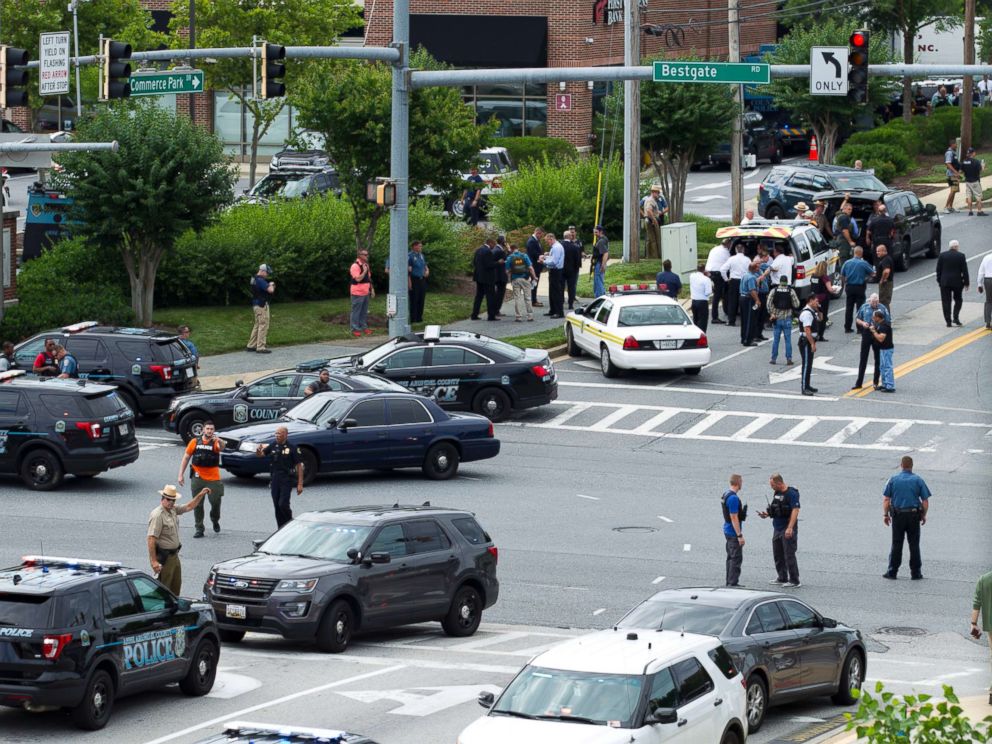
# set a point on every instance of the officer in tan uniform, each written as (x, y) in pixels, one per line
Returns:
(163, 537)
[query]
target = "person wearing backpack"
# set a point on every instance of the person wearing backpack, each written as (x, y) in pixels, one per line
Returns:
(521, 273)
(782, 301)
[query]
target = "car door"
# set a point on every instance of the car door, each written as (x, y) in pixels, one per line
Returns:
(798, 188)
(411, 429)
(697, 699)
(920, 220)
(596, 326)
(265, 399)
(382, 587)
(364, 443)
(819, 656)
(408, 367)
(167, 626)
(582, 337)
(459, 373)
(14, 425)
(92, 355)
(662, 694)
(124, 627)
(776, 648)
(431, 568)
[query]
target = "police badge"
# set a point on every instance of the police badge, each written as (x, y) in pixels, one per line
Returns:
(180, 642)
(240, 413)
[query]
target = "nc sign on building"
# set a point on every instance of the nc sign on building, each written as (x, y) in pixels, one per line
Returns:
(53, 65)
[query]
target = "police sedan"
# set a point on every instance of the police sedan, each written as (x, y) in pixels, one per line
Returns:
(366, 431)
(463, 371)
(265, 399)
(636, 327)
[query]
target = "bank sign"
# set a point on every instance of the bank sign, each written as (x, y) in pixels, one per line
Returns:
(53, 64)
(609, 12)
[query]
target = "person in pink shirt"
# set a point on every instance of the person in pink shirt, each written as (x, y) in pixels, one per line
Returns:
(361, 292)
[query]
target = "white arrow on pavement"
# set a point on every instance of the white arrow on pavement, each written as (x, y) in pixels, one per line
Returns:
(228, 685)
(819, 363)
(423, 701)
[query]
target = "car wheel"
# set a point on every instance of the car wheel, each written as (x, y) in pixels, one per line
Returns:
(309, 460)
(933, 250)
(756, 700)
(465, 614)
(334, 633)
(774, 213)
(41, 470)
(492, 403)
(94, 711)
(231, 636)
(199, 679)
(191, 425)
(441, 461)
(131, 401)
(243, 474)
(606, 364)
(572, 347)
(851, 678)
(730, 737)
(902, 260)
(692, 370)
(777, 155)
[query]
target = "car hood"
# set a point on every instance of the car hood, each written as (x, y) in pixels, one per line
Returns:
(207, 396)
(501, 729)
(264, 566)
(267, 431)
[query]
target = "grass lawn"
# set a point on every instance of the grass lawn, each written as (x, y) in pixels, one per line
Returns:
(222, 329)
(541, 339)
(937, 172)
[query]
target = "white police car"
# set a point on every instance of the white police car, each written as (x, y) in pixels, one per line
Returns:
(634, 326)
(617, 687)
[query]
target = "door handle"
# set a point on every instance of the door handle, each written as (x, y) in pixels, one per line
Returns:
(718, 701)
(471, 374)
(682, 722)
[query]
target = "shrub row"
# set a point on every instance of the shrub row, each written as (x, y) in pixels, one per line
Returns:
(524, 150)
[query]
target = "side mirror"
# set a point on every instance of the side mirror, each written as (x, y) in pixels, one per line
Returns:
(828, 622)
(182, 605)
(380, 557)
(931, 209)
(579, 311)
(354, 554)
(379, 368)
(347, 424)
(662, 715)
(257, 544)
(239, 383)
(486, 699)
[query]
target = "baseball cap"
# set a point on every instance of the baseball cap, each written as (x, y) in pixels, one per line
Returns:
(600, 228)
(971, 149)
(783, 280)
(266, 268)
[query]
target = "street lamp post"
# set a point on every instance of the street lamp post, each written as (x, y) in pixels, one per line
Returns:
(73, 7)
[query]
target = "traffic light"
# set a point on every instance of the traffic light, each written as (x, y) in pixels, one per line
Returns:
(857, 74)
(116, 71)
(12, 80)
(273, 70)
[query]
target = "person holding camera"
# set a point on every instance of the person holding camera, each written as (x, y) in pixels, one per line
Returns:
(905, 502)
(261, 290)
(204, 452)
(734, 513)
(163, 537)
(784, 512)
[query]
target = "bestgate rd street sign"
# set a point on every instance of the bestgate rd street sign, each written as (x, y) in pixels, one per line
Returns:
(166, 83)
(750, 73)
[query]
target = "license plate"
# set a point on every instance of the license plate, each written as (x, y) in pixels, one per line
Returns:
(122, 429)
(666, 344)
(190, 372)
(235, 611)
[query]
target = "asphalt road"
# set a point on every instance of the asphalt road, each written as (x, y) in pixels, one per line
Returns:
(596, 502)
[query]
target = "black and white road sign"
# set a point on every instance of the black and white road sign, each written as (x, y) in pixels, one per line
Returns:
(828, 71)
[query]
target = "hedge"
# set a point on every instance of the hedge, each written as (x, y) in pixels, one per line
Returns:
(882, 158)
(525, 150)
(903, 137)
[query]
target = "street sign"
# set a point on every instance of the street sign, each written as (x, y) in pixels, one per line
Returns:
(53, 64)
(828, 71)
(753, 73)
(166, 83)
(563, 102)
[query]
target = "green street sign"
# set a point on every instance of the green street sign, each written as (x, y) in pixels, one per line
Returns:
(166, 83)
(751, 73)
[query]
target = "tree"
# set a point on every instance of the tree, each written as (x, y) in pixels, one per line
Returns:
(349, 104)
(825, 114)
(233, 23)
(168, 176)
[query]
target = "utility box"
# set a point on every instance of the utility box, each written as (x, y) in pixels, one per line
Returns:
(678, 245)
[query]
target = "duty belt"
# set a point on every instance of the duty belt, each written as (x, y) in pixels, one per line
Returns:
(914, 510)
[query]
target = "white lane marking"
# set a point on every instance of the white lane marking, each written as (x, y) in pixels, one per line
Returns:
(600, 611)
(277, 701)
(658, 580)
(716, 185)
(468, 477)
(806, 719)
(656, 420)
(170, 440)
(699, 391)
(608, 421)
(747, 430)
(703, 425)
(704, 199)
(819, 363)
(574, 410)
(686, 548)
(894, 431)
(591, 498)
(228, 685)
(664, 519)
(847, 432)
(941, 678)
(799, 429)
(547, 586)
(423, 701)
(490, 641)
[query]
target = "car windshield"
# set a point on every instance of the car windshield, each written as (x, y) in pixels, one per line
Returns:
(590, 697)
(329, 542)
(281, 184)
(375, 382)
(690, 617)
(847, 181)
(320, 409)
(650, 315)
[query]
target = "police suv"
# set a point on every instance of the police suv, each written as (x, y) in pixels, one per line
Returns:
(248, 732)
(78, 634)
(51, 427)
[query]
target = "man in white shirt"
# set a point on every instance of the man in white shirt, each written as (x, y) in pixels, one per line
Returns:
(714, 264)
(700, 289)
(781, 264)
(734, 269)
(748, 216)
(985, 287)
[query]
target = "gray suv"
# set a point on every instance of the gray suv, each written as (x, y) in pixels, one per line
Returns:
(329, 574)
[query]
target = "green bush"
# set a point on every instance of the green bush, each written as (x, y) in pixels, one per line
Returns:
(938, 129)
(883, 158)
(309, 244)
(902, 137)
(61, 287)
(556, 196)
(921, 719)
(535, 149)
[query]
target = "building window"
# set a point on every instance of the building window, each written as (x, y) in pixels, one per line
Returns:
(521, 110)
(233, 124)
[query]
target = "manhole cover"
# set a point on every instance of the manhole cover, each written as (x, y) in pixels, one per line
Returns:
(902, 630)
(635, 529)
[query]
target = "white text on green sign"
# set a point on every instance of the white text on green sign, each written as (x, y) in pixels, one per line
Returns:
(165, 83)
(712, 72)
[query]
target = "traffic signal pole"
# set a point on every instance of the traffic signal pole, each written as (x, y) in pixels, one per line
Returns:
(397, 305)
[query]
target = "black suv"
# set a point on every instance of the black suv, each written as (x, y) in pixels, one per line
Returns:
(148, 367)
(294, 183)
(78, 634)
(328, 574)
(52, 427)
(246, 732)
(787, 185)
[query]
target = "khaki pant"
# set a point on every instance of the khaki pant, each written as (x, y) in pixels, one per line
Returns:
(260, 330)
(172, 574)
(654, 240)
(216, 494)
(521, 298)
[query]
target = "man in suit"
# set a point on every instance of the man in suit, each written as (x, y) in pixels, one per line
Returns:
(534, 251)
(952, 278)
(484, 274)
(573, 264)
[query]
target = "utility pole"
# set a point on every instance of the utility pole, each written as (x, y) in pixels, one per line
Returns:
(969, 80)
(73, 6)
(192, 45)
(737, 138)
(397, 302)
(631, 133)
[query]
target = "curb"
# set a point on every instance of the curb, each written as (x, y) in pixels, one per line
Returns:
(815, 733)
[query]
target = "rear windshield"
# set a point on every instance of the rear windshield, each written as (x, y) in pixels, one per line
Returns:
(722, 658)
(107, 404)
(842, 181)
(510, 351)
(25, 610)
(471, 530)
(691, 618)
(63, 405)
(649, 315)
(170, 351)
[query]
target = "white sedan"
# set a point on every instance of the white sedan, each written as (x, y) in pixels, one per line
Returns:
(634, 327)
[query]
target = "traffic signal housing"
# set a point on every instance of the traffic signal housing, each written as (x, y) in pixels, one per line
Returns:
(273, 70)
(115, 79)
(857, 74)
(13, 82)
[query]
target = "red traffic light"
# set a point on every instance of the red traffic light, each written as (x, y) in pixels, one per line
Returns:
(859, 39)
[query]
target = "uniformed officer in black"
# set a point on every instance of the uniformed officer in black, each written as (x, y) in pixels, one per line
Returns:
(905, 502)
(321, 385)
(285, 463)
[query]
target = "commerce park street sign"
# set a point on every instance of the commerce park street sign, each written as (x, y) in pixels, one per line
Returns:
(749, 73)
(166, 83)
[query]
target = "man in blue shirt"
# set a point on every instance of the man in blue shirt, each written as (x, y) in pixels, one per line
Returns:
(784, 511)
(905, 502)
(261, 289)
(416, 283)
(668, 281)
(855, 274)
(863, 322)
(733, 514)
(750, 303)
(554, 262)
(472, 196)
(68, 366)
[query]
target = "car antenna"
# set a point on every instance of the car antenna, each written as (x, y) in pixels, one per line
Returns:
(426, 503)
(396, 505)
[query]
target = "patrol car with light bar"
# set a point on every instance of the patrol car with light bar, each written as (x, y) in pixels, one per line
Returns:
(463, 371)
(78, 634)
(636, 327)
(247, 732)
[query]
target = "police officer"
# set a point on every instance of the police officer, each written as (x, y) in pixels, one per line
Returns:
(807, 342)
(733, 515)
(417, 273)
(905, 502)
(285, 462)
(68, 366)
(204, 452)
(163, 537)
(321, 385)
(784, 511)
(261, 290)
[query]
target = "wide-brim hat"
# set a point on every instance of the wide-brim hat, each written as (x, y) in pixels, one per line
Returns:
(820, 203)
(802, 207)
(655, 187)
(170, 492)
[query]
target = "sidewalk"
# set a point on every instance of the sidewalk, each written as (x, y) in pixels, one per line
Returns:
(939, 198)
(975, 708)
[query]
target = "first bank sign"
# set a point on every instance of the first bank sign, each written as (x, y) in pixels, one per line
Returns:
(609, 12)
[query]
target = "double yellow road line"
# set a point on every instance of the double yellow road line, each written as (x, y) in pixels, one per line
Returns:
(931, 356)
